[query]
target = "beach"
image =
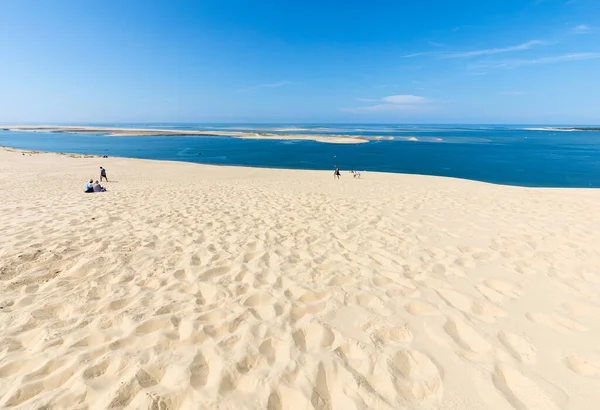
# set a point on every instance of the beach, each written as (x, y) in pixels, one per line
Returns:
(188, 286)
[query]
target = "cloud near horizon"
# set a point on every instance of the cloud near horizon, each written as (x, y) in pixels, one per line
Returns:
(391, 103)
(581, 29)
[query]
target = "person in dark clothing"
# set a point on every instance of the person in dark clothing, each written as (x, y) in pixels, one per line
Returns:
(336, 173)
(103, 174)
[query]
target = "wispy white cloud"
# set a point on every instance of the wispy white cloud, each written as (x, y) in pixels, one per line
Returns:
(392, 103)
(489, 51)
(269, 85)
(543, 60)
(404, 99)
(581, 29)
(427, 53)
(483, 52)
(436, 44)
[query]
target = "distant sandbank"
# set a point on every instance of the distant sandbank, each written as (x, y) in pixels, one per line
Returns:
(565, 129)
(139, 132)
(146, 132)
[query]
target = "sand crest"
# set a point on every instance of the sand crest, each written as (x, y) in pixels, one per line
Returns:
(188, 286)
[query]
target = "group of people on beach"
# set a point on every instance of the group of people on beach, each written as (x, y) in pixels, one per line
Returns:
(95, 186)
(337, 174)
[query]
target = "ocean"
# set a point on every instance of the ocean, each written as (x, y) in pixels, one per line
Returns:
(512, 155)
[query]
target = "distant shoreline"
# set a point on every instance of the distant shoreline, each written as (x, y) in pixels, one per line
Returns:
(142, 132)
(565, 129)
(256, 135)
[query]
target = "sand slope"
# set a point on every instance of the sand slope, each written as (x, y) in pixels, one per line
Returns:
(189, 287)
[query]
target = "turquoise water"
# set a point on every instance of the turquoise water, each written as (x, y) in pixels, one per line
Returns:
(499, 154)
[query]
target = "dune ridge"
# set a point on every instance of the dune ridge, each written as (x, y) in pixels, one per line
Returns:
(188, 286)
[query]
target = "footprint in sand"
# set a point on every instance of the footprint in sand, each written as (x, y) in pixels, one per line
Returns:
(215, 316)
(479, 309)
(524, 393)
(95, 371)
(266, 312)
(10, 345)
(419, 308)
(119, 303)
(50, 367)
(341, 281)
(370, 302)
(199, 371)
(23, 393)
(356, 356)
(504, 287)
(251, 362)
(153, 324)
(314, 297)
(214, 273)
(384, 334)
(496, 290)
(286, 397)
(519, 347)
(486, 311)
(585, 365)
(558, 323)
(416, 377)
(467, 338)
(403, 292)
(314, 337)
(258, 299)
(381, 281)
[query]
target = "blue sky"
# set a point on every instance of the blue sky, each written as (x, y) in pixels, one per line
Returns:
(509, 61)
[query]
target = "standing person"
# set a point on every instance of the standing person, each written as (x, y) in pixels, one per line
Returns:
(336, 173)
(103, 174)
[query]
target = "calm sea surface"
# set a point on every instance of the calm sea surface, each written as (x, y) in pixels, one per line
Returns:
(499, 154)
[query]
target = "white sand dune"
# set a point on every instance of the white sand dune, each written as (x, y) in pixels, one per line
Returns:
(188, 286)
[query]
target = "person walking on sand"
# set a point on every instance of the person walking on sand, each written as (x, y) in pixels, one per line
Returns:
(103, 174)
(336, 173)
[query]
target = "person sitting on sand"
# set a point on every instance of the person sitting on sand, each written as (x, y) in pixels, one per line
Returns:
(103, 174)
(336, 173)
(89, 187)
(98, 187)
